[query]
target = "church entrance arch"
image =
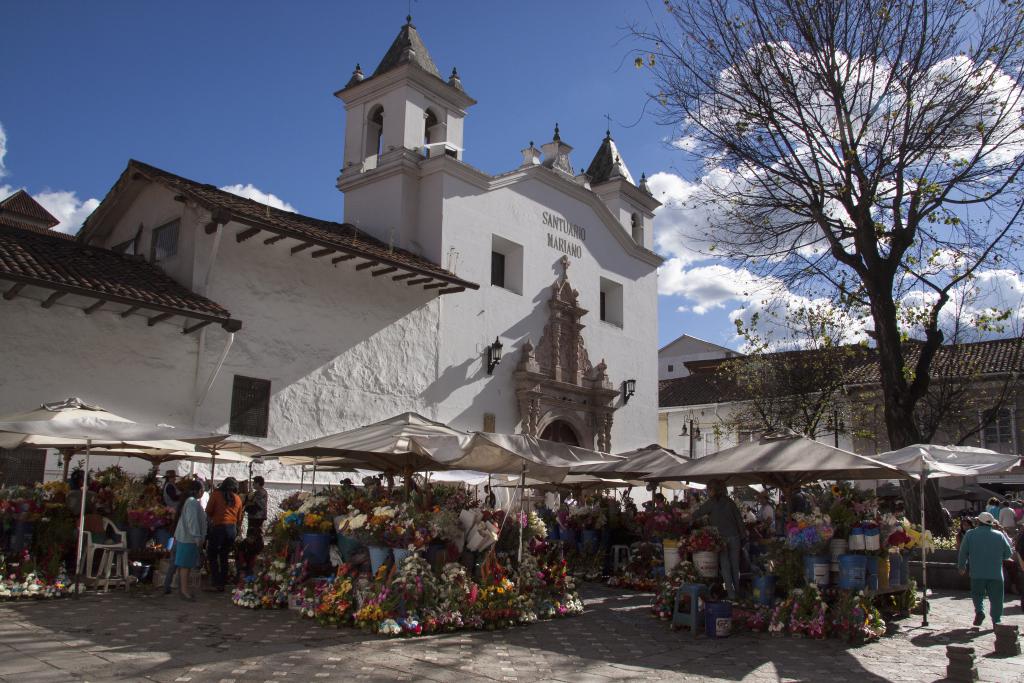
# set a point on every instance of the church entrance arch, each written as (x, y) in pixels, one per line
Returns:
(561, 395)
(562, 432)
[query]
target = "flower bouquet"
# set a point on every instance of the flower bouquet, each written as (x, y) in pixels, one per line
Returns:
(336, 603)
(703, 540)
(855, 619)
(809, 532)
(808, 613)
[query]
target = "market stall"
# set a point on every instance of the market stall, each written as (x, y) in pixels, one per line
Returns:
(822, 568)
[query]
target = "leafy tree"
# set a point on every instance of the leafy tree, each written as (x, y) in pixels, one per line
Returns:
(867, 151)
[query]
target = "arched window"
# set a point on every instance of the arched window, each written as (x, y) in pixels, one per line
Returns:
(375, 133)
(637, 228)
(562, 432)
(429, 125)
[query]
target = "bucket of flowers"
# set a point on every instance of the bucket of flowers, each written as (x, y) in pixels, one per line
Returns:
(808, 614)
(664, 598)
(336, 604)
(704, 545)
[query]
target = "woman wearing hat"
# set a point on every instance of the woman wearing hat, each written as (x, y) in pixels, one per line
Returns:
(982, 553)
(225, 513)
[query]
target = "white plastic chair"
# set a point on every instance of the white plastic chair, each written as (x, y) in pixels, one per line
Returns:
(113, 555)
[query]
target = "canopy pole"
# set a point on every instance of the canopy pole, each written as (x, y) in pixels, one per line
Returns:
(213, 467)
(522, 501)
(312, 484)
(302, 477)
(81, 517)
(924, 552)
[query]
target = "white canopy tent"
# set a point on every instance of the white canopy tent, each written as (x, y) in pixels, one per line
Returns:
(73, 423)
(922, 461)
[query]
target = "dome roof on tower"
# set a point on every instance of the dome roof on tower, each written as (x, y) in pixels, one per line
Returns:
(607, 163)
(407, 48)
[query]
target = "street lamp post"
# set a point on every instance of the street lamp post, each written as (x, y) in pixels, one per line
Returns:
(691, 430)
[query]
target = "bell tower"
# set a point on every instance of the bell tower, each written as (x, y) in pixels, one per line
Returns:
(401, 115)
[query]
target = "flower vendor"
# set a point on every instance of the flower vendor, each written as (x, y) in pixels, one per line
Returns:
(725, 516)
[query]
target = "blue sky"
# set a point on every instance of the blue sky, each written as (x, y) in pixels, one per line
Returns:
(241, 93)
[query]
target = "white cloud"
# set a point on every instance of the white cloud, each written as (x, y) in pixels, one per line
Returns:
(67, 207)
(3, 151)
(679, 226)
(249, 191)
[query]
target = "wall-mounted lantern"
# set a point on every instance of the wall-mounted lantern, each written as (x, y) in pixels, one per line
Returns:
(628, 389)
(493, 355)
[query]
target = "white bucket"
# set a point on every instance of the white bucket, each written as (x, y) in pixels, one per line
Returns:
(837, 547)
(670, 550)
(706, 563)
(856, 541)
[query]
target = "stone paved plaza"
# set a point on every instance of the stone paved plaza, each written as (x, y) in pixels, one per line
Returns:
(149, 637)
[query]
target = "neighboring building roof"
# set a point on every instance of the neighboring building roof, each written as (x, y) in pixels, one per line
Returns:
(343, 237)
(975, 359)
(690, 339)
(607, 163)
(20, 210)
(32, 258)
(407, 48)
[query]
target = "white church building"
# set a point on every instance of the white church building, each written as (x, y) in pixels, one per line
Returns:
(178, 302)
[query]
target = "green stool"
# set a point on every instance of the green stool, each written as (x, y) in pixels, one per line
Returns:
(689, 618)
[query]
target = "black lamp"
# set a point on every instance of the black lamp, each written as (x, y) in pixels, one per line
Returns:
(628, 389)
(493, 355)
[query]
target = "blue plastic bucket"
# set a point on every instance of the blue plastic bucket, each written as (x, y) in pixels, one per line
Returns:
(552, 532)
(897, 570)
(316, 548)
(400, 554)
(378, 556)
(569, 536)
(717, 619)
(347, 546)
(764, 589)
(816, 569)
(871, 572)
(590, 538)
(852, 571)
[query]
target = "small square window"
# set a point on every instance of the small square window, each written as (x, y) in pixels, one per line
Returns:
(506, 264)
(497, 269)
(671, 367)
(164, 243)
(250, 406)
(611, 302)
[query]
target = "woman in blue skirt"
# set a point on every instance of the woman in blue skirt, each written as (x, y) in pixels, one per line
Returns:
(188, 537)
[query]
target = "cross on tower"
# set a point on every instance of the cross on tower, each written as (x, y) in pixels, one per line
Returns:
(608, 121)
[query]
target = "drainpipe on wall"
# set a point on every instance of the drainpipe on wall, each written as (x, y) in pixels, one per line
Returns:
(201, 343)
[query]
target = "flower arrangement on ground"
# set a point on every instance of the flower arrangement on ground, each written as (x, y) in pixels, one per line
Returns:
(664, 599)
(853, 618)
(639, 573)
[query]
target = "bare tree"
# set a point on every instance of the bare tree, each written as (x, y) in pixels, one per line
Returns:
(864, 150)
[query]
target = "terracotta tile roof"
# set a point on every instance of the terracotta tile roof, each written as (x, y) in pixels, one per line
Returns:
(344, 237)
(976, 359)
(44, 260)
(20, 210)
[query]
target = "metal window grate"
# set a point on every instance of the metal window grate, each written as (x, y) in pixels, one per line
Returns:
(165, 242)
(21, 466)
(250, 406)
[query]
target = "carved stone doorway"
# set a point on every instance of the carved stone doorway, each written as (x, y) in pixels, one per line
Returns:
(560, 393)
(562, 432)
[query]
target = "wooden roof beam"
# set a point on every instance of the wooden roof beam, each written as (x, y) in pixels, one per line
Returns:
(273, 240)
(52, 299)
(246, 234)
(343, 257)
(128, 311)
(95, 306)
(322, 252)
(158, 318)
(367, 264)
(13, 291)
(384, 271)
(198, 326)
(404, 276)
(452, 290)
(435, 285)
(419, 281)
(301, 247)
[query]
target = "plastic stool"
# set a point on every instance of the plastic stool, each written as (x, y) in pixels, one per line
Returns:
(692, 617)
(620, 557)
